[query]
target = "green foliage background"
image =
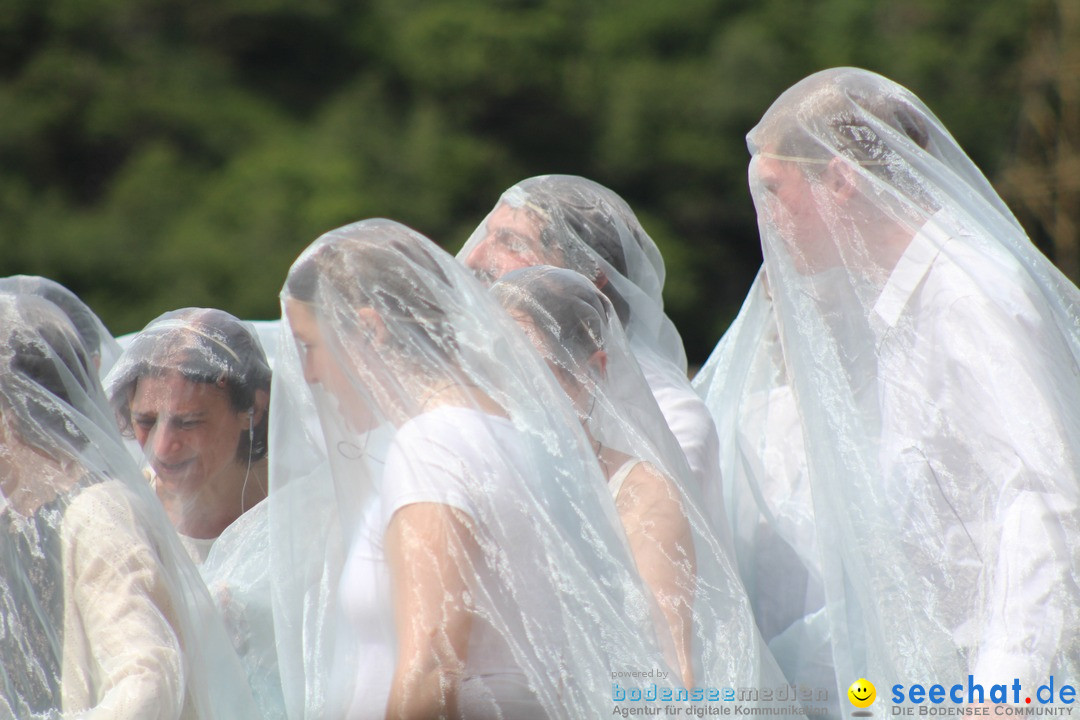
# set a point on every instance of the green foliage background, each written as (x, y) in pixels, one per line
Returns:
(156, 154)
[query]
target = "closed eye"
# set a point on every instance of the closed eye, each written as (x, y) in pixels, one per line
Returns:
(144, 422)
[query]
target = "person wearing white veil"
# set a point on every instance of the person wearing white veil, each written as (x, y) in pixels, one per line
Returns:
(479, 564)
(575, 223)
(899, 402)
(103, 614)
(687, 568)
(192, 388)
(93, 334)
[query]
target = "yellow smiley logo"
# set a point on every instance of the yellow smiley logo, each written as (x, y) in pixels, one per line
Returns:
(862, 693)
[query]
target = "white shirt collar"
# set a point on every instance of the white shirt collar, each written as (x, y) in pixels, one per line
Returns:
(913, 266)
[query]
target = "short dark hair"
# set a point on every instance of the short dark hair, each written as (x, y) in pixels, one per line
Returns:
(45, 362)
(83, 319)
(564, 306)
(202, 345)
(597, 216)
(856, 120)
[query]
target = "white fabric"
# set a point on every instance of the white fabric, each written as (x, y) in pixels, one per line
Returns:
(692, 424)
(898, 404)
(122, 654)
(572, 222)
(238, 573)
(684, 561)
(93, 334)
(445, 456)
(104, 614)
(269, 333)
(930, 310)
(385, 329)
(615, 482)
(198, 549)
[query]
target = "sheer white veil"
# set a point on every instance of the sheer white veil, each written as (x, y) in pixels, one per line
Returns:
(103, 611)
(95, 337)
(898, 404)
(682, 559)
(429, 394)
(575, 223)
(207, 345)
(204, 345)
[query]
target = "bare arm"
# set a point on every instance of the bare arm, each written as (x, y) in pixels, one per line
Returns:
(651, 511)
(427, 550)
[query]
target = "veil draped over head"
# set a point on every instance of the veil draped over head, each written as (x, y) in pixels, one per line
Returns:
(575, 223)
(202, 344)
(898, 404)
(445, 540)
(572, 222)
(222, 471)
(95, 337)
(192, 388)
(690, 572)
(103, 615)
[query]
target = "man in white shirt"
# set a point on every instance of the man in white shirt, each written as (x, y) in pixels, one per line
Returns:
(929, 358)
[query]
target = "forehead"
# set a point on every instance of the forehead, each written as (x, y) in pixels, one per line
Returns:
(174, 393)
(519, 218)
(528, 326)
(775, 173)
(301, 318)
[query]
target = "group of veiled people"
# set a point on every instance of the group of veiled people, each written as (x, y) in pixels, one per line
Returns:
(484, 486)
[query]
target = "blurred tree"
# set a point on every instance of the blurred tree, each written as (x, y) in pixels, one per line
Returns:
(1042, 179)
(162, 153)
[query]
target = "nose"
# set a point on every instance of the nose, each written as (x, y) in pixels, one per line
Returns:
(765, 170)
(478, 260)
(164, 441)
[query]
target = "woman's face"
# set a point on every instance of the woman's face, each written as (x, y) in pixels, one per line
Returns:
(321, 367)
(573, 389)
(188, 430)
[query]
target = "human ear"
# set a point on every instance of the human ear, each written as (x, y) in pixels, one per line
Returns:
(372, 325)
(258, 407)
(597, 365)
(840, 178)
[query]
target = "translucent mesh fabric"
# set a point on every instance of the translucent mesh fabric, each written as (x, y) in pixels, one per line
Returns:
(689, 570)
(575, 223)
(898, 404)
(192, 389)
(103, 615)
(444, 539)
(95, 337)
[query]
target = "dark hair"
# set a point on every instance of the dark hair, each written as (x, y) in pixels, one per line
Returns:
(595, 215)
(383, 265)
(83, 319)
(48, 379)
(856, 119)
(567, 309)
(202, 345)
